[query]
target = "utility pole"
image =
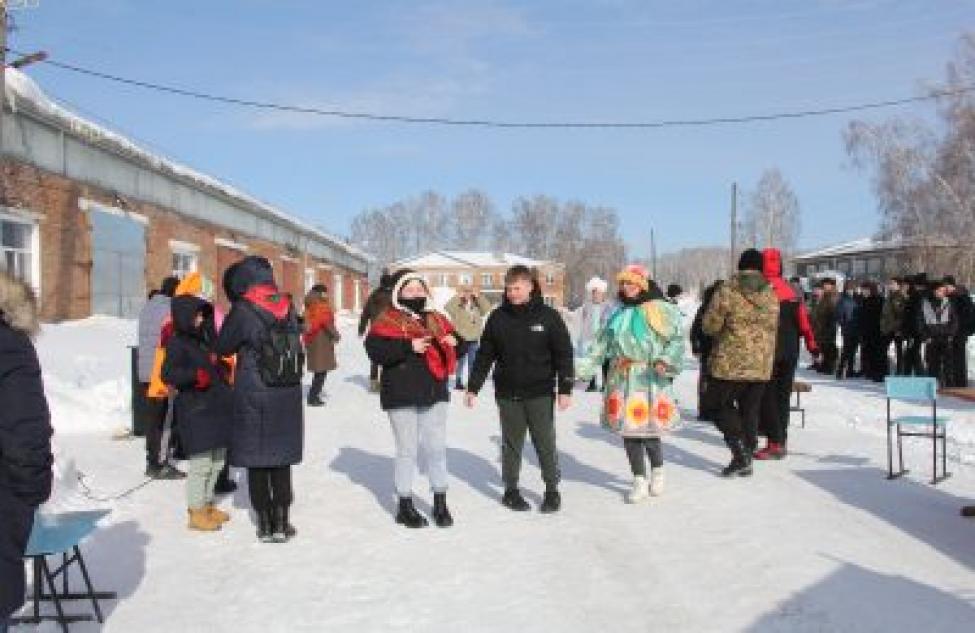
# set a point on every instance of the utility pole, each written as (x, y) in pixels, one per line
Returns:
(3, 67)
(653, 255)
(734, 226)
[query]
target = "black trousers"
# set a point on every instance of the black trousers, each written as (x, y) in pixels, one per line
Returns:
(635, 447)
(270, 487)
(155, 409)
(317, 383)
(874, 360)
(959, 361)
(898, 342)
(738, 404)
(912, 362)
(373, 371)
(774, 412)
(938, 357)
(828, 363)
(848, 357)
(592, 383)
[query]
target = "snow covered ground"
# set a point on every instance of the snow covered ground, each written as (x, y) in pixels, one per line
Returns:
(818, 542)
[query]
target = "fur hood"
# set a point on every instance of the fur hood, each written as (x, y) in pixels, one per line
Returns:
(18, 305)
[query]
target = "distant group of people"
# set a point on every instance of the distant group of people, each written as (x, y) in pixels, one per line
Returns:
(927, 322)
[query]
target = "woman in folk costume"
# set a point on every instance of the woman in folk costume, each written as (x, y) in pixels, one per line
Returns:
(320, 337)
(643, 342)
(416, 348)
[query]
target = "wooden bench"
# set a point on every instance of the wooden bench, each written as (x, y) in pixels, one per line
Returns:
(799, 387)
(962, 393)
(55, 534)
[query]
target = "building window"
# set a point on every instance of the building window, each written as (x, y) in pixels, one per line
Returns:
(875, 266)
(487, 280)
(549, 278)
(465, 279)
(17, 244)
(441, 280)
(184, 263)
(310, 279)
(859, 266)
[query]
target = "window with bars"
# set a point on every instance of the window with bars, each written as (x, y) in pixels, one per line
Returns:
(16, 243)
(184, 263)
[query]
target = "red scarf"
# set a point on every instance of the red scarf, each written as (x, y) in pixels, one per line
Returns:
(271, 299)
(440, 357)
(318, 318)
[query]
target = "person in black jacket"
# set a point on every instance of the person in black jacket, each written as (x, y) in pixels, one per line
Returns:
(913, 365)
(203, 406)
(937, 326)
(528, 344)
(873, 360)
(961, 301)
(416, 347)
(267, 435)
(701, 346)
(378, 302)
(25, 437)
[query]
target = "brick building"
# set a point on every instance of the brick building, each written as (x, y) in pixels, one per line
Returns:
(484, 272)
(93, 221)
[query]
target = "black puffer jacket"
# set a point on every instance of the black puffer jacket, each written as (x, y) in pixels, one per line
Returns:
(406, 381)
(530, 349)
(268, 425)
(203, 416)
(25, 437)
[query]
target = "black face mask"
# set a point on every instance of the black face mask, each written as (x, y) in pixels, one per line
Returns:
(414, 305)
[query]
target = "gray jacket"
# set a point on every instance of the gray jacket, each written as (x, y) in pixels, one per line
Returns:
(151, 319)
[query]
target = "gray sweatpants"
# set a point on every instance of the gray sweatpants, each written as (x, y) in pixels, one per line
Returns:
(416, 429)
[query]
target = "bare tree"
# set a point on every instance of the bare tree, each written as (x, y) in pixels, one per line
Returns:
(473, 218)
(772, 219)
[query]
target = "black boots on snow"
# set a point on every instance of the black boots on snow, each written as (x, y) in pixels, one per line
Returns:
(408, 515)
(265, 528)
(741, 461)
(441, 514)
(281, 528)
(551, 502)
(512, 499)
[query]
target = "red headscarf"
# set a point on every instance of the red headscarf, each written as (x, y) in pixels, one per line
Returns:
(441, 358)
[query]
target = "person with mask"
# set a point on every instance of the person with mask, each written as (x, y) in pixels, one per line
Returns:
(416, 348)
(644, 344)
(528, 344)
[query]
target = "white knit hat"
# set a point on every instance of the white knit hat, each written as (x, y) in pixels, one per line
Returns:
(596, 284)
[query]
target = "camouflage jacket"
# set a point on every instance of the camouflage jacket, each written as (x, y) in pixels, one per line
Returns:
(743, 318)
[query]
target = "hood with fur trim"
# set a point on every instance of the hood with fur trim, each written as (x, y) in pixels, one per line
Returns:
(18, 305)
(403, 279)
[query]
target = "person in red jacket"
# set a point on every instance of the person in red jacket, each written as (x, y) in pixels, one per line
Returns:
(793, 324)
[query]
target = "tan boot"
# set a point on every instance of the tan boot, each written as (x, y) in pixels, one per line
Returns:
(201, 520)
(217, 514)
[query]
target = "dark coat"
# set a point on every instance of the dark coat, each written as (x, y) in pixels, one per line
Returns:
(530, 349)
(268, 426)
(406, 380)
(203, 417)
(871, 313)
(25, 437)
(937, 320)
(848, 317)
(378, 302)
(961, 301)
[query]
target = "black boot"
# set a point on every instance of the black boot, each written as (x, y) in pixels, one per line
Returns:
(441, 515)
(551, 502)
(408, 515)
(315, 401)
(225, 485)
(741, 462)
(512, 499)
(265, 530)
(281, 528)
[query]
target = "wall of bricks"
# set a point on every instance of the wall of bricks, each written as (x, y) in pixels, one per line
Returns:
(65, 242)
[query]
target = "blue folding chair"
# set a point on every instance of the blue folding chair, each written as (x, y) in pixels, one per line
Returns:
(55, 534)
(916, 389)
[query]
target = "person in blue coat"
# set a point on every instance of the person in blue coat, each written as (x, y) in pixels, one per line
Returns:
(25, 438)
(267, 434)
(848, 320)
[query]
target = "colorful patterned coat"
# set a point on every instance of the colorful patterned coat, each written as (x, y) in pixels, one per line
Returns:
(637, 401)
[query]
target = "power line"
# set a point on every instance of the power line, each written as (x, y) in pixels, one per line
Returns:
(502, 124)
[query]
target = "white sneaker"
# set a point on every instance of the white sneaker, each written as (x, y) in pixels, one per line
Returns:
(657, 482)
(639, 491)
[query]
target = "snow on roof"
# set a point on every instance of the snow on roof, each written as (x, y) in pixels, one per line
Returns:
(863, 245)
(468, 259)
(21, 87)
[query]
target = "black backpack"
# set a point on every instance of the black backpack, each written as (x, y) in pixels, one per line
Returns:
(280, 355)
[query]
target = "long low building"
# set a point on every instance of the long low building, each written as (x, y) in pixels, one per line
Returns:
(93, 221)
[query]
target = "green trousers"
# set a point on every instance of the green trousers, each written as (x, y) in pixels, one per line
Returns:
(535, 416)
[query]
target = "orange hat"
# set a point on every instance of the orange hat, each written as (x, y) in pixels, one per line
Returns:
(635, 274)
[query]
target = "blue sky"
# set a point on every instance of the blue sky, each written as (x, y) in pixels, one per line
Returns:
(560, 60)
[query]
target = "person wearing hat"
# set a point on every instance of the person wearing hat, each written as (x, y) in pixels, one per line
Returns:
(467, 311)
(415, 345)
(592, 317)
(529, 346)
(643, 342)
(825, 324)
(743, 317)
(892, 321)
(319, 338)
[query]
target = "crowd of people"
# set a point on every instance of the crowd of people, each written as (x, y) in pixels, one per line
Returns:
(223, 390)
